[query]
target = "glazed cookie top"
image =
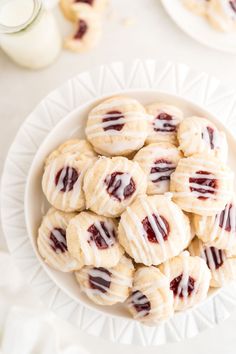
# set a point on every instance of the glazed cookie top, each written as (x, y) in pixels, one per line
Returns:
(202, 184)
(189, 279)
(197, 6)
(79, 148)
(52, 241)
(154, 229)
(110, 185)
(151, 300)
(93, 238)
(163, 124)
(198, 135)
(117, 126)
(107, 286)
(62, 182)
(158, 162)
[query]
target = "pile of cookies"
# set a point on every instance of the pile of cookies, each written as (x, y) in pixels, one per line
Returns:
(220, 13)
(86, 15)
(143, 210)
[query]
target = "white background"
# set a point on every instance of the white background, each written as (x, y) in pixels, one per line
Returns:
(152, 36)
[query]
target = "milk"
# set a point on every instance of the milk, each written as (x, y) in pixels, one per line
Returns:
(34, 41)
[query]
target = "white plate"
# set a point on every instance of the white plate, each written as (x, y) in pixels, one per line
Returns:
(64, 111)
(199, 28)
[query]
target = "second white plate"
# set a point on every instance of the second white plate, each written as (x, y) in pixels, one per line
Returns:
(198, 27)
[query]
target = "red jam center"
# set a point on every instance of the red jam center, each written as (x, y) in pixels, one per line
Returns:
(156, 228)
(232, 3)
(102, 236)
(58, 240)
(120, 185)
(66, 178)
(180, 289)
(209, 185)
(161, 171)
(213, 257)
(226, 221)
(140, 302)
(82, 29)
(162, 123)
(111, 118)
(100, 281)
(89, 2)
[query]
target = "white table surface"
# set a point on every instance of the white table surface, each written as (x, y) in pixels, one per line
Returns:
(153, 35)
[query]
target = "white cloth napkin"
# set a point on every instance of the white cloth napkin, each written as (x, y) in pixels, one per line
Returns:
(26, 327)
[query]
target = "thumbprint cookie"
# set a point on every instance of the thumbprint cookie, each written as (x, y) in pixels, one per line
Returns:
(107, 286)
(52, 241)
(117, 126)
(202, 184)
(189, 279)
(158, 161)
(93, 238)
(110, 185)
(154, 229)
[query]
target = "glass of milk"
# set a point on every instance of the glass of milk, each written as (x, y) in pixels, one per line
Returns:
(28, 33)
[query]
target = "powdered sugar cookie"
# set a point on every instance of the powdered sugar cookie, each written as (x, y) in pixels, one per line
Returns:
(110, 185)
(218, 230)
(201, 184)
(158, 161)
(154, 229)
(163, 124)
(94, 239)
(52, 241)
(88, 29)
(107, 286)
(117, 126)
(77, 147)
(221, 265)
(198, 135)
(151, 300)
(189, 279)
(222, 14)
(62, 182)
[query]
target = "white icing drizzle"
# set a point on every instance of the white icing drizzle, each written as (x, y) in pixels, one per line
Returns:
(160, 124)
(124, 181)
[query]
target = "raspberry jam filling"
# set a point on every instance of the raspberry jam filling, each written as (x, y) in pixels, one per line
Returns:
(156, 228)
(203, 185)
(163, 123)
(100, 279)
(66, 178)
(112, 118)
(227, 219)
(120, 185)
(213, 257)
(140, 302)
(89, 2)
(182, 288)
(102, 234)
(58, 240)
(82, 29)
(161, 171)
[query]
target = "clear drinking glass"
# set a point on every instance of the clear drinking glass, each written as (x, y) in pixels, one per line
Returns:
(28, 33)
